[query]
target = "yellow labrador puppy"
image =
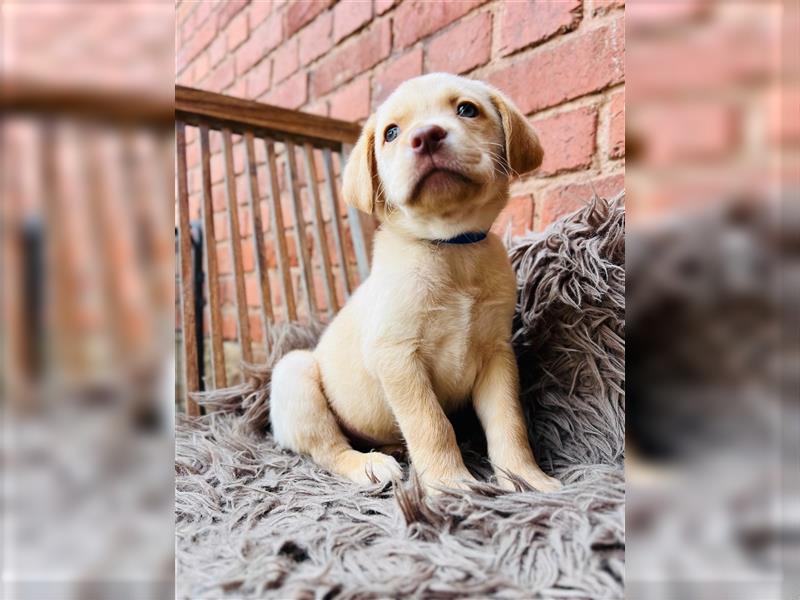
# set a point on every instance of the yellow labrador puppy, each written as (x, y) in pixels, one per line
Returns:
(430, 329)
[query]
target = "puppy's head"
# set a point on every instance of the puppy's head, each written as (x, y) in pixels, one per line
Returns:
(436, 157)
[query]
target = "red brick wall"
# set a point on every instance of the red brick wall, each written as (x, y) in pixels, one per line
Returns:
(711, 114)
(561, 61)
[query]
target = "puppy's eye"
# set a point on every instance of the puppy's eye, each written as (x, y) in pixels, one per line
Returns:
(391, 133)
(467, 109)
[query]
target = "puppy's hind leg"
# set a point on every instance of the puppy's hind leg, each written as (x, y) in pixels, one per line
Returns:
(302, 421)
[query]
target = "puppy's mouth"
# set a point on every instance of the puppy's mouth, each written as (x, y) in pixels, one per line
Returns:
(436, 176)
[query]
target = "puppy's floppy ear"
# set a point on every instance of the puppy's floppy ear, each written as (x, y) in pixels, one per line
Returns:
(523, 151)
(360, 173)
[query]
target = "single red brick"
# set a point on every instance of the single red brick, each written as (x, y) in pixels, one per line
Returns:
(229, 9)
(204, 11)
(396, 72)
(523, 24)
(351, 102)
(256, 327)
(362, 53)
(258, 80)
(218, 201)
(417, 19)
(245, 222)
(565, 199)
(568, 140)
(302, 12)
(259, 10)
(252, 290)
(201, 67)
(584, 64)
(192, 155)
(248, 258)
(227, 290)
(616, 126)
(291, 93)
(238, 32)
(221, 225)
(262, 40)
(229, 325)
(472, 37)
(349, 17)
(321, 300)
(194, 207)
(518, 213)
(686, 133)
(217, 50)
(381, 6)
(285, 60)
(224, 259)
(316, 39)
(238, 159)
(222, 76)
(199, 41)
(217, 168)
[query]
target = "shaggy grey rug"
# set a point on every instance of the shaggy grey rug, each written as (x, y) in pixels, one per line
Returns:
(256, 521)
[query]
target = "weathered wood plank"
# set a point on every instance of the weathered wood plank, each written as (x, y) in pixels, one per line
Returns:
(236, 248)
(218, 376)
(218, 110)
(336, 219)
(306, 273)
(319, 229)
(189, 319)
(357, 228)
(262, 269)
(278, 232)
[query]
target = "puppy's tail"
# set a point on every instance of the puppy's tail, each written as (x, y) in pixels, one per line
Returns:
(251, 397)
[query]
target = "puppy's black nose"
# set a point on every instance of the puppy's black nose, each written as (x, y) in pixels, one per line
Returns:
(427, 139)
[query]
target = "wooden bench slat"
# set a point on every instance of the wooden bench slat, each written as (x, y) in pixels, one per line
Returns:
(219, 377)
(278, 233)
(306, 273)
(319, 229)
(236, 248)
(189, 319)
(262, 269)
(336, 219)
(357, 227)
(240, 115)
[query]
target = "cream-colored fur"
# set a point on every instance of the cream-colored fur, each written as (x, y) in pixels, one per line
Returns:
(430, 327)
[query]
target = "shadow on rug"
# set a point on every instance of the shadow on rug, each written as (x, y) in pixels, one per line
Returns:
(256, 521)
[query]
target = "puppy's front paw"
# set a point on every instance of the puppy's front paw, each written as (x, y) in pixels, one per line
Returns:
(373, 467)
(434, 484)
(533, 476)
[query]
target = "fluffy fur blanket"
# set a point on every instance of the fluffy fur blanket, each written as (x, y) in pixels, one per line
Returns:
(257, 521)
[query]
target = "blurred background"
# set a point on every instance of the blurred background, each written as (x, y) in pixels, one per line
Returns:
(712, 289)
(87, 299)
(707, 122)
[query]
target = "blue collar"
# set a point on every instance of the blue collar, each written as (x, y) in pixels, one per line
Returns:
(469, 237)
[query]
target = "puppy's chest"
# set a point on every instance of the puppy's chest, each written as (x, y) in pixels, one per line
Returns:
(461, 326)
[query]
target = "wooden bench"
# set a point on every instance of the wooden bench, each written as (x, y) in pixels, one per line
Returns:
(284, 133)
